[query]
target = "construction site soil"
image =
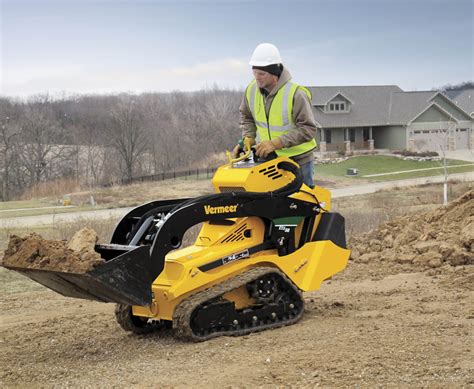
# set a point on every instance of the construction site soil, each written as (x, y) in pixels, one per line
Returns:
(400, 315)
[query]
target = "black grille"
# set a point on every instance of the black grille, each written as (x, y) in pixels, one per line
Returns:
(271, 172)
(227, 189)
(236, 236)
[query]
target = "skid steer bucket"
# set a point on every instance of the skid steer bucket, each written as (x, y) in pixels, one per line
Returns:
(125, 278)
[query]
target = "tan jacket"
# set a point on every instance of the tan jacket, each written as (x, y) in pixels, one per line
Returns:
(302, 117)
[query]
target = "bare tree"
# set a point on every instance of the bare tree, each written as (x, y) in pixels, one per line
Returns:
(9, 131)
(41, 140)
(127, 133)
(441, 139)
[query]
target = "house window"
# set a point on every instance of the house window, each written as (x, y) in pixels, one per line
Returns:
(327, 136)
(337, 107)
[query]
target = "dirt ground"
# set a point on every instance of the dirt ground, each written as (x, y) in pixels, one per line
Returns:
(370, 325)
(381, 322)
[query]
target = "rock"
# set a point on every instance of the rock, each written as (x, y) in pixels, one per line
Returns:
(364, 258)
(435, 262)
(426, 258)
(423, 247)
(467, 236)
(388, 241)
(354, 254)
(445, 250)
(460, 257)
(375, 246)
(83, 240)
(405, 258)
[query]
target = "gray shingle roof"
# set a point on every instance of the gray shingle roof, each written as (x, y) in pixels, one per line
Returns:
(379, 105)
(463, 98)
(406, 105)
(370, 105)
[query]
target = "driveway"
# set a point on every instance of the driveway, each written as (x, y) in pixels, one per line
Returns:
(463, 155)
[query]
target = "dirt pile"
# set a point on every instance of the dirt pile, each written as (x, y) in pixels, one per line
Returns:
(444, 236)
(34, 252)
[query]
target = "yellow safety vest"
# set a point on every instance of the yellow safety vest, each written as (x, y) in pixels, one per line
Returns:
(280, 119)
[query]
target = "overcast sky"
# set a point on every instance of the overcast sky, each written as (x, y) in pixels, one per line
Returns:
(104, 46)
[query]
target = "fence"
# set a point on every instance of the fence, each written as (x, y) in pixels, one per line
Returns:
(187, 174)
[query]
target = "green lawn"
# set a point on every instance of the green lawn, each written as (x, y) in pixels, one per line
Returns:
(377, 164)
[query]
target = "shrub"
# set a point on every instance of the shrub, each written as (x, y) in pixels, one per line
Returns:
(408, 153)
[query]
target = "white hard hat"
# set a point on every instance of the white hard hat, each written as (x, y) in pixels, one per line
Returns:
(265, 54)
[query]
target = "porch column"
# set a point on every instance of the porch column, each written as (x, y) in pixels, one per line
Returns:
(471, 139)
(322, 143)
(347, 141)
(410, 140)
(371, 140)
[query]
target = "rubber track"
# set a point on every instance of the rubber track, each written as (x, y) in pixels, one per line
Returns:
(123, 314)
(183, 312)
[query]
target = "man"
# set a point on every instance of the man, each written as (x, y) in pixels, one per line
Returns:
(276, 114)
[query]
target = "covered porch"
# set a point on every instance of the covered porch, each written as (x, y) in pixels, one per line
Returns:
(345, 140)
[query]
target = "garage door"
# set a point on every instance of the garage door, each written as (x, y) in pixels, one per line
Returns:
(462, 138)
(430, 140)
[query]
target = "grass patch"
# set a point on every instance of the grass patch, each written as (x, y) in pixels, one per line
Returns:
(378, 164)
(25, 204)
(46, 211)
(114, 197)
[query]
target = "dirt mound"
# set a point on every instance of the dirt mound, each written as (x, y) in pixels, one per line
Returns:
(34, 252)
(441, 237)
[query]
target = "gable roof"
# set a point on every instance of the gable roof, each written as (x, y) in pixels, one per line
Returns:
(436, 107)
(370, 105)
(339, 94)
(463, 98)
(406, 105)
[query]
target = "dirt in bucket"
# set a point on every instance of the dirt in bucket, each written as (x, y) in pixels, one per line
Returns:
(33, 252)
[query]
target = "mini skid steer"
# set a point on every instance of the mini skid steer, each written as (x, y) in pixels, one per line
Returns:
(265, 238)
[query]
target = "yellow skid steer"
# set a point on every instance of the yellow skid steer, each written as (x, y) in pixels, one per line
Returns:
(265, 238)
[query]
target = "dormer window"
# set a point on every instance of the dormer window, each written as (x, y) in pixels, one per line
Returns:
(337, 107)
(339, 103)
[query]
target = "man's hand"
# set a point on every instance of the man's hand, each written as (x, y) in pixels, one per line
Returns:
(236, 151)
(267, 146)
(239, 148)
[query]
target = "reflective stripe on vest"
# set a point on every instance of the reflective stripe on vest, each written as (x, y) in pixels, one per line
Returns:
(280, 117)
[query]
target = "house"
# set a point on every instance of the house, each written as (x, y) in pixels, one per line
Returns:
(354, 118)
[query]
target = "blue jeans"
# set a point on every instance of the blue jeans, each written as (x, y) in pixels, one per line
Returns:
(307, 170)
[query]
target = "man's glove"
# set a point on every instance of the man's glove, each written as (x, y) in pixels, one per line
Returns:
(236, 151)
(267, 146)
(240, 146)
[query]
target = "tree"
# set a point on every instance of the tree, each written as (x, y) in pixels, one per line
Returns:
(9, 132)
(459, 86)
(41, 140)
(127, 133)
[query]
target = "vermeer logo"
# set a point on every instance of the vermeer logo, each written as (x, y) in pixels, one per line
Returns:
(224, 209)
